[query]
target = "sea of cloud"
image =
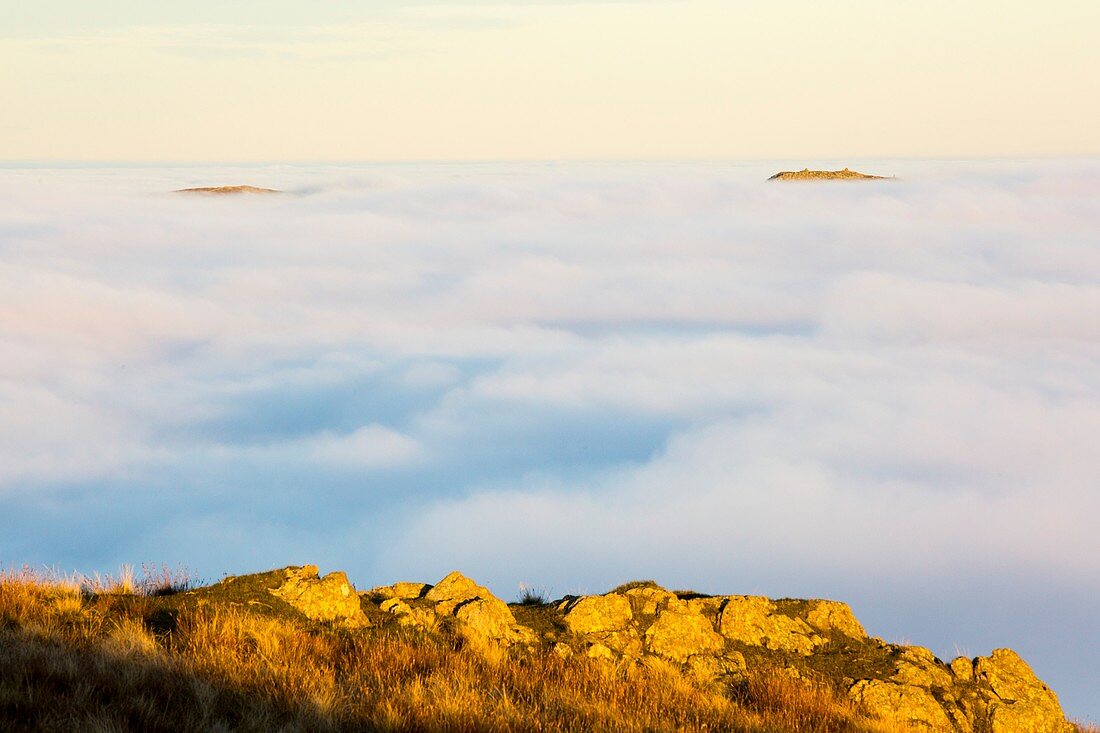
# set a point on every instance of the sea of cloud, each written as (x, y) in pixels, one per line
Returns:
(572, 375)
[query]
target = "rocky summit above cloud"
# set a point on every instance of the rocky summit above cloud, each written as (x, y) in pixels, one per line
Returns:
(808, 175)
(227, 190)
(714, 637)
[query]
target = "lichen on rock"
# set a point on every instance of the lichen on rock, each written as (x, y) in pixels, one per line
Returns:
(680, 632)
(403, 590)
(900, 704)
(827, 616)
(599, 614)
(1019, 701)
(607, 620)
(756, 621)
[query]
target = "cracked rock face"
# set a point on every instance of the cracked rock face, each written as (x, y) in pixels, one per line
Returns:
(756, 621)
(998, 693)
(1019, 701)
(681, 632)
(829, 616)
(605, 622)
(599, 614)
(907, 705)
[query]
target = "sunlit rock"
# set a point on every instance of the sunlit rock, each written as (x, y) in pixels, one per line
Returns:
(1019, 701)
(331, 598)
(607, 619)
(481, 615)
(680, 632)
(962, 668)
(829, 616)
(403, 590)
(904, 705)
(756, 621)
(599, 614)
(808, 175)
(919, 666)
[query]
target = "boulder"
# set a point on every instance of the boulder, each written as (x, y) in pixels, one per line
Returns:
(681, 632)
(710, 607)
(607, 619)
(829, 616)
(963, 669)
(420, 618)
(755, 621)
(599, 614)
(403, 590)
(1019, 701)
(902, 705)
(919, 666)
(645, 600)
(331, 598)
(454, 589)
(490, 618)
(481, 615)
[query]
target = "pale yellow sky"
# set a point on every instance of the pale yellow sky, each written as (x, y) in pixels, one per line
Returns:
(659, 79)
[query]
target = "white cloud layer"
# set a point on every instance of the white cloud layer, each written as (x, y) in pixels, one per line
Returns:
(569, 375)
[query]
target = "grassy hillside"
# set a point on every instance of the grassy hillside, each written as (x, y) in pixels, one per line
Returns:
(123, 655)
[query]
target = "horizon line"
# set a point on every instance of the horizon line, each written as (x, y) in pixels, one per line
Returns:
(19, 163)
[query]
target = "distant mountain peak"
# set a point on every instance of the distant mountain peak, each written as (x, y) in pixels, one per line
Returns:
(226, 190)
(808, 175)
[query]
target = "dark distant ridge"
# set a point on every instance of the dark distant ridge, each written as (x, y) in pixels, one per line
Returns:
(224, 190)
(808, 175)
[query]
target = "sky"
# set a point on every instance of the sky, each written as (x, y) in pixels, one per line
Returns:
(571, 375)
(366, 80)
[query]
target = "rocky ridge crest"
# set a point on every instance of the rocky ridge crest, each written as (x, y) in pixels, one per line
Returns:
(226, 190)
(709, 636)
(808, 175)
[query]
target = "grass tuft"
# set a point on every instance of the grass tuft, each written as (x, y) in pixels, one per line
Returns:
(532, 596)
(630, 585)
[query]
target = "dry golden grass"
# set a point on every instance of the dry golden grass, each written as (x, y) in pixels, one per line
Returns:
(74, 660)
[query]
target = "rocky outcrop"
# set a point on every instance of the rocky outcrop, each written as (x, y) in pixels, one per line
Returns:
(832, 616)
(331, 599)
(1017, 699)
(605, 623)
(478, 615)
(756, 621)
(227, 190)
(715, 638)
(998, 694)
(681, 632)
(903, 705)
(808, 175)
(402, 591)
